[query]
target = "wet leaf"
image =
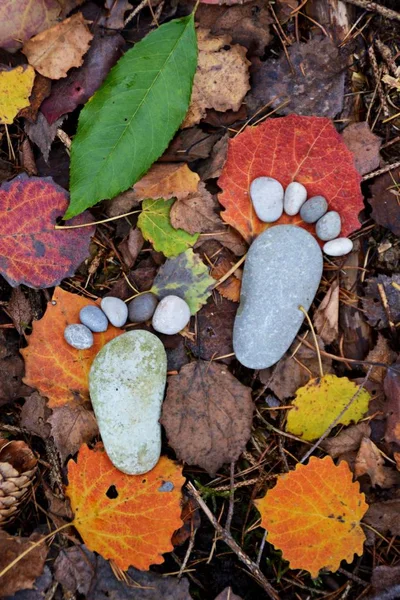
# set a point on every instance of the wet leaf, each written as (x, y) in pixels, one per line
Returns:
(15, 89)
(185, 276)
(57, 370)
(31, 250)
(155, 225)
(313, 515)
(276, 148)
(136, 526)
(320, 402)
(203, 428)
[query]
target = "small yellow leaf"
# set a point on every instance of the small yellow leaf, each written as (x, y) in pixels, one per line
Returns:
(320, 402)
(15, 89)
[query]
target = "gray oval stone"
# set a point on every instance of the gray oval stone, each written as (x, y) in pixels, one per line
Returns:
(115, 309)
(328, 227)
(171, 315)
(282, 271)
(313, 209)
(142, 308)
(126, 383)
(94, 318)
(78, 336)
(267, 197)
(338, 247)
(295, 196)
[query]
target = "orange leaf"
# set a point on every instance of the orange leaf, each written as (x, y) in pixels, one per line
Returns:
(56, 369)
(304, 149)
(127, 518)
(313, 515)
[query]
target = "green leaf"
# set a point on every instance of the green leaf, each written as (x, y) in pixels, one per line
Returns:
(155, 225)
(185, 276)
(132, 117)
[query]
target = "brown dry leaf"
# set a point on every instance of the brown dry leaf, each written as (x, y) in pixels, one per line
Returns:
(364, 145)
(383, 578)
(211, 168)
(378, 292)
(29, 567)
(20, 310)
(11, 371)
(384, 516)
(131, 246)
(229, 289)
(189, 145)
(347, 440)
(121, 204)
(54, 51)
(41, 89)
(326, 317)
(227, 594)
(191, 521)
(196, 212)
(42, 134)
(370, 461)
(222, 77)
(72, 426)
(392, 391)
(396, 456)
(385, 201)
(380, 353)
(167, 180)
(34, 415)
(206, 428)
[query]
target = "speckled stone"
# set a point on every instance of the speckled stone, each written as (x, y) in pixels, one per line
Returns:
(328, 227)
(126, 383)
(266, 194)
(171, 315)
(338, 247)
(142, 308)
(116, 310)
(282, 271)
(78, 336)
(94, 318)
(295, 196)
(313, 209)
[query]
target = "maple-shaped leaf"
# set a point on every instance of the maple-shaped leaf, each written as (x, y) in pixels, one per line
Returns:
(304, 149)
(127, 518)
(319, 403)
(57, 370)
(185, 276)
(32, 251)
(313, 515)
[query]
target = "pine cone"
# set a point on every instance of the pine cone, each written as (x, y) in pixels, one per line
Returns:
(17, 469)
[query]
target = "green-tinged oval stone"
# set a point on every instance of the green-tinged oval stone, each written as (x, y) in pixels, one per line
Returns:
(126, 383)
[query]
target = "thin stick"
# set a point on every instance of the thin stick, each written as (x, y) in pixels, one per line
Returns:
(228, 539)
(135, 12)
(340, 415)
(321, 370)
(133, 212)
(232, 270)
(261, 550)
(374, 7)
(395, 165)
(231, 497)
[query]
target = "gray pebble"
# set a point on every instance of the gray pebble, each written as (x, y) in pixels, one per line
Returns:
(267, 197)
(142, 308)
(328, 227)
(78, 336)
(94, 318)
(295, 196)
(116, 310)
(313, 209)
(338, 247)
(171, 315)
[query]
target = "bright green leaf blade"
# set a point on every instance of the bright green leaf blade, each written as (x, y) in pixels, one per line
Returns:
(185, 276)
(155, 225)
(132, 117)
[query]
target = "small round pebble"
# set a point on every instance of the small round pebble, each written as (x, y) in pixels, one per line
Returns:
(267, 197)
(93, 318)
(142, 308)
(295, 196)
(338, 247)
(78, 336)
(328, 227)
(313, 209)
(171, 315)
(116, 310)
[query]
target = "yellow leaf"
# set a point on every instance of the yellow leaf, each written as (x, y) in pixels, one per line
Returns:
(320, 402)
(15, 89)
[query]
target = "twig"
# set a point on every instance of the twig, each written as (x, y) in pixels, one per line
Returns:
(261, 549)
(377, 73)
(374, 7)
(188, 553)
(395, 165)
(135, 12)
(231, 271)
(228, 539)
(336, 421)
(96, 222)
(231, 497)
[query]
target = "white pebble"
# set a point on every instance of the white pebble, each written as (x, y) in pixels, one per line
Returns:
(328, 227)
(295, 196)
(115, 310)
(267, 197)
(171, 315)
(78, 336)
(338, 247)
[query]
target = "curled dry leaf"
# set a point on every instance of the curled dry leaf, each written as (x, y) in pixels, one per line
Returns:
(326, 317)
(222, 77)
(369, 461)
(380, 353)
(54, 51)
(313, 515)
(205, 429)
(15, 89)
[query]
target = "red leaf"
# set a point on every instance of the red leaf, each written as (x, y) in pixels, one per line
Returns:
(293, 148)
(31, 250)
